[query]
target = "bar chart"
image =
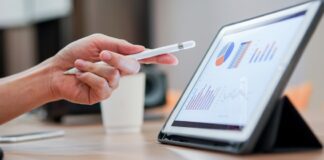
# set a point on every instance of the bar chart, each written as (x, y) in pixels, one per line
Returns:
(202, 99)
(267, 54)
(244, 46)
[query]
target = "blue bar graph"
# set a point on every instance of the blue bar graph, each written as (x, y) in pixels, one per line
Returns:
(240, 54)
(202, 99)
(266, 54)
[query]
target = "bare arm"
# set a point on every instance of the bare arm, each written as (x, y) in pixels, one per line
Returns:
(46, 82)
(24, 91)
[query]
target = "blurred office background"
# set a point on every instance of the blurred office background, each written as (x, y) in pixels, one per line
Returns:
(32, 30)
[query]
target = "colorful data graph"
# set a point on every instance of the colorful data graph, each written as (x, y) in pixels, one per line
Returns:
(224, 54)
(202, 99)
(264, 55)
(240, 54)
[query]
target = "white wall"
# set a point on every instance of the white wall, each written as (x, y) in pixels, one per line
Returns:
(19, 13)
(180, 20)
(16, 19)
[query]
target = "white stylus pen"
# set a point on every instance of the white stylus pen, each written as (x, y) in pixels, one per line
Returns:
(151, 53)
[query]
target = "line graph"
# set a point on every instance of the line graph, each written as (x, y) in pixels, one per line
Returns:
(205, 97)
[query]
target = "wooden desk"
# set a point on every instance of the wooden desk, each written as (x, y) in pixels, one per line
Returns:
(90, 142)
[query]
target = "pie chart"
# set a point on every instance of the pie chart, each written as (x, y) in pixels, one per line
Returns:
(225, 53)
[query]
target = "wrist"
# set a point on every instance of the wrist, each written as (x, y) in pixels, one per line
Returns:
(31, 87)
(45, 72)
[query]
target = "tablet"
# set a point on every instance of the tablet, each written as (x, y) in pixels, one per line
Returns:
(240, 79)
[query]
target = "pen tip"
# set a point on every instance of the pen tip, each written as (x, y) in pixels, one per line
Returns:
(67, 72)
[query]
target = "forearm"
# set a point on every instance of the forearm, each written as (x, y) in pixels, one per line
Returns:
(24, 91)
(46, 82)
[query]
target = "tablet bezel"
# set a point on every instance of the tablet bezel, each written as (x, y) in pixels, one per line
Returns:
(274, 89)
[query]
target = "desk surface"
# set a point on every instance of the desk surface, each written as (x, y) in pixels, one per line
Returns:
(88, 141)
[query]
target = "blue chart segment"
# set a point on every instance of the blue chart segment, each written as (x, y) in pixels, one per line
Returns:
(240, 54)
(224, 54)
(267, 54)
(203, 99)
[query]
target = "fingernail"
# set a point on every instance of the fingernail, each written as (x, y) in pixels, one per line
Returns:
(80, 62)
(106, 55)
(140, 46)
(176, 62)
(168, 60)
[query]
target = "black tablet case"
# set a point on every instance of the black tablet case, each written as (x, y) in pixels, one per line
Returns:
(1, 154)
(284, 131)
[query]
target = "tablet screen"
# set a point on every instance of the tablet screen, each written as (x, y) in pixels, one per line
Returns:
(231, 84)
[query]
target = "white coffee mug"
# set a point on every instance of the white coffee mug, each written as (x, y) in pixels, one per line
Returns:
(123, 110)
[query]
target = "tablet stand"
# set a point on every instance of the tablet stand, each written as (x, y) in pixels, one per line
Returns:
(1, 154)
(286, 131)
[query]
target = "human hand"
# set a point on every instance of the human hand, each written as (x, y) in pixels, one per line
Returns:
(96, 82)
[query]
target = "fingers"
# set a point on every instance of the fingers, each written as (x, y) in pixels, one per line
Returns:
(107, 72)
(104, 42)
(117, 65)
(99, 86)
(124, 64)
(161, 59)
